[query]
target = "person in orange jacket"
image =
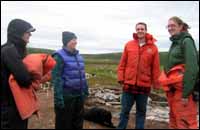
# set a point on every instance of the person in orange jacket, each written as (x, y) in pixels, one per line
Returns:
(183, 109)
(138, 71)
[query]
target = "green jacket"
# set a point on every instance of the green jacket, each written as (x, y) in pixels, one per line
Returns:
(58, 82)
(183, 51)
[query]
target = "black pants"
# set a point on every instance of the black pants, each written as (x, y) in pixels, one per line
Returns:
(71, 116)
(10, 118)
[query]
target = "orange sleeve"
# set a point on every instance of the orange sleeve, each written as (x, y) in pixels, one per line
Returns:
(156, 69)
(122, 65)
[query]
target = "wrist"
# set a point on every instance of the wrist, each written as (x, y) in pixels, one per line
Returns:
(120, 82)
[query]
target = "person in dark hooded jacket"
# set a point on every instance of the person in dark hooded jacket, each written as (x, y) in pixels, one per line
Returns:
(12, 53)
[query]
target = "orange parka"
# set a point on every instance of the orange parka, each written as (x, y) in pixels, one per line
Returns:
(140, 65)
(39, 65)
(181, 115)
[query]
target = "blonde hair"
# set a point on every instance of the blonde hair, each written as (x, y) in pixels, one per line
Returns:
(180, 22)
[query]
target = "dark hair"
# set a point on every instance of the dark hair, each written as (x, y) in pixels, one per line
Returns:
(180, 22)
(142, 23)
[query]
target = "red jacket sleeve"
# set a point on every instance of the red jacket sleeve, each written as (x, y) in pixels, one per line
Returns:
(122, 65)
(156, 69)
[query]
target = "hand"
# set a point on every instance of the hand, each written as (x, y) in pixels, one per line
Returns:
(184, 101)
(121, 82)
(38, 115)
(156, 88)
(35, 76)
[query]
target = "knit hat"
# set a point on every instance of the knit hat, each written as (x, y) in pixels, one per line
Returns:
(67, 36)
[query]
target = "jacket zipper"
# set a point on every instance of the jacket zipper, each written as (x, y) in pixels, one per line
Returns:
(137, 75)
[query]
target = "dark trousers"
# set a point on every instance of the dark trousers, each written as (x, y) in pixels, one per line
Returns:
(10, 118)
(71, 116)
(127, 102)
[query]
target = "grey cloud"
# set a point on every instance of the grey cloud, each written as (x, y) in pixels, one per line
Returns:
(99, 25)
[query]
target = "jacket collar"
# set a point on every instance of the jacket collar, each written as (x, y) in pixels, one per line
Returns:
(149, 38)
(179, 36)
(75, 52)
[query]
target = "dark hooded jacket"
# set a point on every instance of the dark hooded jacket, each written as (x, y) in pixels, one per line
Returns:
(12, 53)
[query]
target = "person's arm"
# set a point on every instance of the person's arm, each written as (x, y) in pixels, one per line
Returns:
(46, 77)
(121, 67)
(16, 66)
(191, 67)
(156, 70)
(86, 92)
(58, 82)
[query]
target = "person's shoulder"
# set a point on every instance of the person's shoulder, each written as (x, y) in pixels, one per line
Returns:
(80, 56)
(188, 40)
(56, 52)
(8, 49)
(57, 56)
(130, 43)
(154, 47)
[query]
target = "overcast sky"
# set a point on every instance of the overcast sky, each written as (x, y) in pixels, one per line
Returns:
(101, 26)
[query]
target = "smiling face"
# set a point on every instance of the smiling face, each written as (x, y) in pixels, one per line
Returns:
(173, 27)
(141, 31)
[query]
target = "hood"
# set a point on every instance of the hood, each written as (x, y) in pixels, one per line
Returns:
(15, 31)
(18, 27)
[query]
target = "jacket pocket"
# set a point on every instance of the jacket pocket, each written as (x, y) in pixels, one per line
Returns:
(129, 74)
(145, 78)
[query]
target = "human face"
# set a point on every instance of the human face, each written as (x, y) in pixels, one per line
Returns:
(26, 37)
(141, 31)
(72, 44)
(173, 27)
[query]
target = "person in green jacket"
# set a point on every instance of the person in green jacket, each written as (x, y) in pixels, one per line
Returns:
(183, 109)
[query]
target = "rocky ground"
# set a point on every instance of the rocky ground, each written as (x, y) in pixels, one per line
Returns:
(157, 109)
